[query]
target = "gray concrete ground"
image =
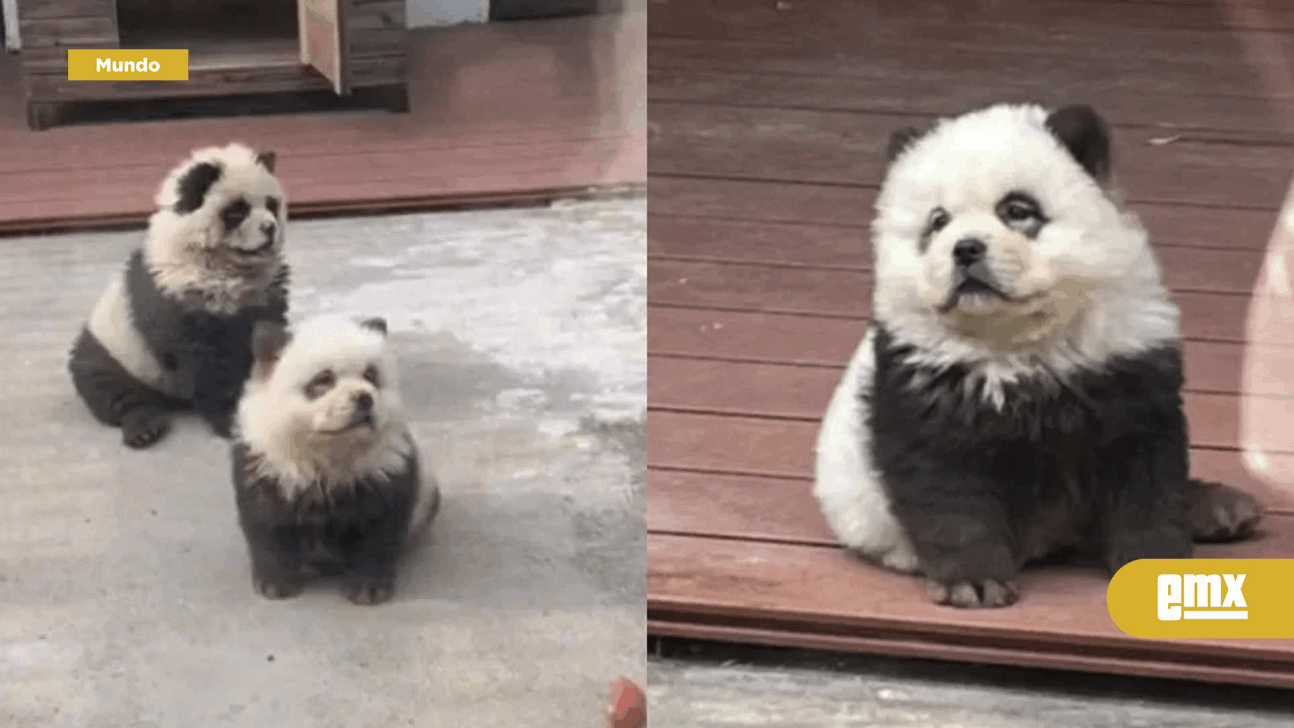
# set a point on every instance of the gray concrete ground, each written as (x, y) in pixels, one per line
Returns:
(125, 597)
(743, 687)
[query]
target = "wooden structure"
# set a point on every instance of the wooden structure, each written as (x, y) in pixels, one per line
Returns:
(769, 124)
(235, 47)
(499, 114)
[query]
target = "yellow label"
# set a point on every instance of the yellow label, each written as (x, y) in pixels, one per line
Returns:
(116, 64)
(1204, 598)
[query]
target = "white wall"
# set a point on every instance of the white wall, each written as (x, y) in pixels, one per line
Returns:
(447, 12)
(10, 8)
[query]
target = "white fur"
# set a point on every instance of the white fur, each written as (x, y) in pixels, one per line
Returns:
(847, 487)
(1086, 289)
(183, 250)
(288, 431)
(111, 324)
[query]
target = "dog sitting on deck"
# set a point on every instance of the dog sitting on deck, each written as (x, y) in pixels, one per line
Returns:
(1018, 393)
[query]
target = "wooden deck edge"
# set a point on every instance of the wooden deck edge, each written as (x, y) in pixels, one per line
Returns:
(1152, 662)
(138, 219)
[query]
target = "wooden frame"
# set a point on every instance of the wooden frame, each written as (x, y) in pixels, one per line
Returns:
(341, 45)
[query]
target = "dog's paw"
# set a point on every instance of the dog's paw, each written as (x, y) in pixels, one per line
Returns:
(278, 588)
(144, 428)
(1220, 513)
(973, 594)
(369, 592)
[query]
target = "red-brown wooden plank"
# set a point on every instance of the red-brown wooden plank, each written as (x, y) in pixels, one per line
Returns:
(950, 93)
(1091, 71)
(826, 147)
(710, 19)
(772, 202)
(785, 448)
(794, 594)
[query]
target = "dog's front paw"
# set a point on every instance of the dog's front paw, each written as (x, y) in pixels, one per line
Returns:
(973, 594)
(369, 591)
(1220, 513)
(274, 588)
(144, 427)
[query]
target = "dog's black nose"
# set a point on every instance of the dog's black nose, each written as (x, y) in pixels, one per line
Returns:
(968, 252)
(364, 402)
(268, 228)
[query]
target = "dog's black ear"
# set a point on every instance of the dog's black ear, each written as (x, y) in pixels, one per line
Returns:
(376, 323)
(268, 340)
(267, 160)
(902, 139)
(192, 187)
(1085, 135)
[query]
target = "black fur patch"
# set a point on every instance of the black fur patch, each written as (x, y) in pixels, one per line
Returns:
(234, 214)
(267, 160)
(1097, 462)
(193, 186)
(1085, 135)
(376, 323)
(356, 532)
(901, 140)
(212, 353)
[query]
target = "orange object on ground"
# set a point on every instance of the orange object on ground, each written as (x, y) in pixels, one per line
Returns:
(628, 704)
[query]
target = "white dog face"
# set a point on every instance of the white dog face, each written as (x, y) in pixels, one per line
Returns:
(998, 223)
(222, 211)
(324, 394)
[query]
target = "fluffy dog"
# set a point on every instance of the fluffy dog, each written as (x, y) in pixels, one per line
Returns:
(326, 474)
(1018, 394)
(174, 329)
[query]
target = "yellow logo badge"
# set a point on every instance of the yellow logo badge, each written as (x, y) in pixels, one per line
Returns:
(116, 64)
(1203, 598)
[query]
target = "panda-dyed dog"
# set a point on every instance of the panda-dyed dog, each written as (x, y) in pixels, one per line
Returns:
(326, 473)
(1018, 394)
(173, 331)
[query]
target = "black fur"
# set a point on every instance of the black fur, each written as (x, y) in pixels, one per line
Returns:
(209, 354)
(194, 185)
(1097, 462)
(901, 140)
(1085, 135)
(359, 532)
(267, 160)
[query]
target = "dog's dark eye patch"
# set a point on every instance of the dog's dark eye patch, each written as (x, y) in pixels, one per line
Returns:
(373, 376)
(234, 214)
(938, 220)
(1021, 212)
(272, 204)
(320, 384)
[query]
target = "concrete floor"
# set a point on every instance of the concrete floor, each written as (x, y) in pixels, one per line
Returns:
(705, 685)
(125, 597)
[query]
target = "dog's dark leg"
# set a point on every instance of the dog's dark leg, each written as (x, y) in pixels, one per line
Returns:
(962, 537)
(116, 398)
(1147, 511)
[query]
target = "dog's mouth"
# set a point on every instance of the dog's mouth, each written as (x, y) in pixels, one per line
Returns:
(357, 421)
(255, 253)
(972, 285)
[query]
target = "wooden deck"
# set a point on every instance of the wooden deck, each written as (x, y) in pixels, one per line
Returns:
(768, 124)
(507, 111)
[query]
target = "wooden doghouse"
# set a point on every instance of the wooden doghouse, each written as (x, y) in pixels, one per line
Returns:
(235, 47)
